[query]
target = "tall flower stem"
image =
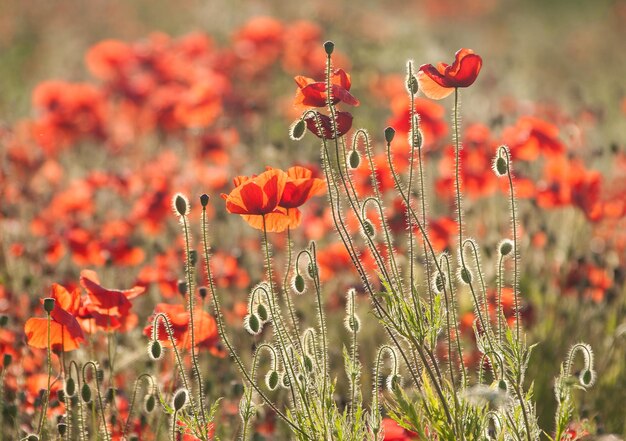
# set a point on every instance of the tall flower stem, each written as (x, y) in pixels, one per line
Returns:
(44, 409)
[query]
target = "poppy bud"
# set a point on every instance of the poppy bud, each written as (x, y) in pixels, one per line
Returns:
(203, 291)
(4, 319)
(352, 323)
(6, 360)
(368, 228)
(297, 130)
(181, 398)
(31, 437)
(466, 275)
(439, 283)
(502, 385)
(587, 378)
(354, 159)
(204, 200)
(506, 246)
(70, 387)
(85, 393)
(252, 324)
(181, 205)
(261, 311)
(182, 287)
(393, 382)
(61, 396)
(298, 283)
(48, 304)
(271, 380)
(193, 257)
(412, 85)
(286, 381)
(329, 47)
(155, 350)
(62, 428)
(308, 363)
(312, 270)
(390, 132)
(149, 403)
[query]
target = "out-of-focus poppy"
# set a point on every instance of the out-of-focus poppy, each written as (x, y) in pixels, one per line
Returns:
(65, 331)
(393, 432)
(205, 327)
(110, 308)
(312, 93)
(343, 120)
(530, 137)
(440, 81)
(256, 199)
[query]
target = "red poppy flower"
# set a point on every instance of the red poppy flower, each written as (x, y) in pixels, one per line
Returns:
(205, 327)
(65, 332)
(393, 432)
(344, 123)
(257, 198)
(312, 93)
(439, 82)
(110, 308)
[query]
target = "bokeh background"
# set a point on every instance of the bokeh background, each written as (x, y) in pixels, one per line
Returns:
(560, 60)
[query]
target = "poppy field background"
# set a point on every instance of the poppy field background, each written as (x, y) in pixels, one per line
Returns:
(109, 109)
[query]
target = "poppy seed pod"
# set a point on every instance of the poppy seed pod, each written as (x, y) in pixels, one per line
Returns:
(329, 47)
(48, 304)
(204, 200)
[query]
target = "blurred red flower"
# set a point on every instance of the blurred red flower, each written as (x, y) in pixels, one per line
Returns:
(439, 82)
(205, 327)
(65, 331)
(344, 123)
(312, 93)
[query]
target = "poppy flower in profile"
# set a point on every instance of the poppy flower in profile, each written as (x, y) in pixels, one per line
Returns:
(299, 188)
(440, 81)
(256, 200)
(65, 331)
(312, 93)
(205, 327)
(110, 308)
(344, 123)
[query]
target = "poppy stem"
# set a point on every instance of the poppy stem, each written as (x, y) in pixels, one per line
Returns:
(457, 177)
(44, 409)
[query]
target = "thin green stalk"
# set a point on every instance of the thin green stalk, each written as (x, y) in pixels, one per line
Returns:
(44, 409)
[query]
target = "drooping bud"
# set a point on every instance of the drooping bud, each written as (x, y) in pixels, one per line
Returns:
(368, 228)
(261, 311)
(70, 387)
(85, 393)
(149, 403)
(155, 350)
(308, 363)
(354, 159)
(181, 399)
(298, 283)
(62, 428)
(439, 283)
(271, 379)
(587, 378)
(393, 382)
(297, 130)
(465, 275)
(252, 324)
(412, 84)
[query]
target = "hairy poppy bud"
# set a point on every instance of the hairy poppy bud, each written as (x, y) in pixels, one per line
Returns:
(85, 393)
(149, 403)
(31, 437)
(70, 387)
(181, 204)
(48, 304)
(502, 385)
(261, 311)
(308, 363)
(298, 283)
(354, 159)
(181, 398)
(352, 323)
(155, 350)
(368, 228)
(505, 248)
(193, 257)
(297, 130)
(271, 380)
(412, 85)
(252, 324)
(390, 133)
(203, 291)
(587, 378)
(286, 381)
(393, 382)
(204, 200)
(466, 275)
(329, 47)
(439, 283)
